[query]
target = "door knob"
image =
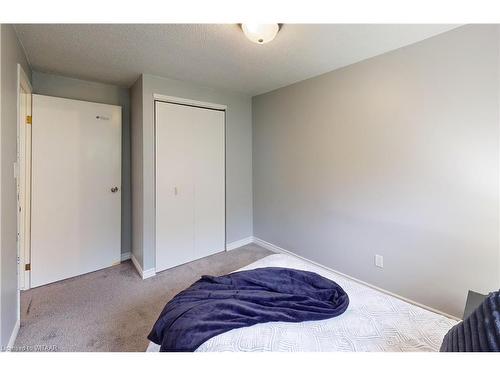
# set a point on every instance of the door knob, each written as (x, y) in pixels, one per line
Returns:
(114, 189)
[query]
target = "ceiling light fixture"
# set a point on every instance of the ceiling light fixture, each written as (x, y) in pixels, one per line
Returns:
(260, 33)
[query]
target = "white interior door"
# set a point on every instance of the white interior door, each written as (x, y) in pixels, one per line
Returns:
(76, 166)
(190, 183)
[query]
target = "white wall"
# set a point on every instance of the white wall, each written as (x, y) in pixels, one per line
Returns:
(397, 155)
(238, 159)
(11, 55)
(71, 88)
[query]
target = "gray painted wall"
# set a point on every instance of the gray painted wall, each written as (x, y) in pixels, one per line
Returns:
(238, 158)
(397, 155)
(11, 55)
(71, 88)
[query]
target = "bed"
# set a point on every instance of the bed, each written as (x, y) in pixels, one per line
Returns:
(374, 321)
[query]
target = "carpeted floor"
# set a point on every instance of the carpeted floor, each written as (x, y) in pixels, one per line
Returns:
(112, 309)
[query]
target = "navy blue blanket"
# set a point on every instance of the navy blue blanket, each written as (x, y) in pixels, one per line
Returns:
(214, 305)
(480, 332)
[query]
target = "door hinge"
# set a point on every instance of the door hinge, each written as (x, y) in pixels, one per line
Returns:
(27, 267)
(28, 120)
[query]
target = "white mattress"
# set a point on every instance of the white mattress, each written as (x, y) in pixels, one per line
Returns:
(374, 321)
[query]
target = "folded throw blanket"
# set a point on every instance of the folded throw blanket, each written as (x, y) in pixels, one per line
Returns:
(480, 332)
(214, 305)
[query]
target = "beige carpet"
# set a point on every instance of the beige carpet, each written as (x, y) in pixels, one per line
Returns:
(112, 309)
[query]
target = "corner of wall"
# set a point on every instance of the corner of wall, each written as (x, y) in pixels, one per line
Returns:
(136, 129)
(12, 54)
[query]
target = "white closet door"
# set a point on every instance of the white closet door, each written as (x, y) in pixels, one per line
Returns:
(76, 151)
(190, 183)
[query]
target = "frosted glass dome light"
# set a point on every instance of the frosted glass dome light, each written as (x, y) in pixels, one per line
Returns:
(260, 33)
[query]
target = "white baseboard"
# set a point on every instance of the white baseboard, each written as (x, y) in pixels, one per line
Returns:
(149, 273)
(280, 250)
(126, 256)
(13, 336)
(152, 272)
(144, 274)
(236, 244)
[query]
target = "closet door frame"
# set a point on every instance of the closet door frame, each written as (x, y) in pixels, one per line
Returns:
(191, 103)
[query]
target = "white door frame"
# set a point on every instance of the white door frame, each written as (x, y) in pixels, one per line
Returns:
(194, 103)
(23, 180)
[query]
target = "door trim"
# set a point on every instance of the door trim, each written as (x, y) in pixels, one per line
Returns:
(23, 165)
(193, 103)
(185, 101)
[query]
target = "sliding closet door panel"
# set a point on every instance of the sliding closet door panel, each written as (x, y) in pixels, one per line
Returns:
(174, 187)
(209, 183)
(76, 161)
(190, 195)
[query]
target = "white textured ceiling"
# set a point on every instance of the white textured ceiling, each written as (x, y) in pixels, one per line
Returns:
(216, 55)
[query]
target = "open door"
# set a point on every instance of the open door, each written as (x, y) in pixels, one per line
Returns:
(76, 194)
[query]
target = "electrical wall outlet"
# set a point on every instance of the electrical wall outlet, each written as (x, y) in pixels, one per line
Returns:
(379, 261)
